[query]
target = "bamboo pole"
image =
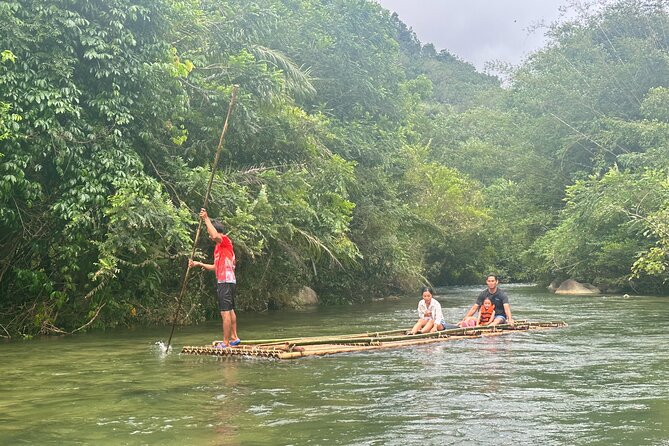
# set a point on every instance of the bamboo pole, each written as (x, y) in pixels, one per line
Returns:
(357, 335)
(330, 350)
(389, 337)
(386, 338)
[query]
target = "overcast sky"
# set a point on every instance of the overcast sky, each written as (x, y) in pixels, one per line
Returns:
(478, 31)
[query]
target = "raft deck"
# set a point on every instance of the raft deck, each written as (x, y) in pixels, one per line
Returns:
(292, 348)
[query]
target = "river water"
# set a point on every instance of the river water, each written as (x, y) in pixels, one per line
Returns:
(603, 380)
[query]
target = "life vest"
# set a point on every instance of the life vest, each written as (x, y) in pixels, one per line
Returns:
(486, 315)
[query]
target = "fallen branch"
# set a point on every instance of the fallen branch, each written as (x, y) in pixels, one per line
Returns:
(5, 330)
(97, 313)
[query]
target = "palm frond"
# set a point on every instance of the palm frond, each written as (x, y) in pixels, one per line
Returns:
(298, 81)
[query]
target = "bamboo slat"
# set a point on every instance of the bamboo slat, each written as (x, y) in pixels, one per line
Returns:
(325, 337)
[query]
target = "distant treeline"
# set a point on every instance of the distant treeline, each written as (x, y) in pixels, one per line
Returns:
(358, 161)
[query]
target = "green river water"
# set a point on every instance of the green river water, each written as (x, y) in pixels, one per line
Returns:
(603, 380)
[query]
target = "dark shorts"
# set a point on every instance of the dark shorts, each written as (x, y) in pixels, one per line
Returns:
(226, 296)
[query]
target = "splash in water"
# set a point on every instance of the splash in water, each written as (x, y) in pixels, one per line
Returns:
(162, 347)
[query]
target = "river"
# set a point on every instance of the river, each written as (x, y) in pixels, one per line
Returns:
(603, 380)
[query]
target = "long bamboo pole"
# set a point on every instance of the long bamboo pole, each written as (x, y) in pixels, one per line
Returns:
(388, 336)
(204, 205)
(325, 337)
(329, 350)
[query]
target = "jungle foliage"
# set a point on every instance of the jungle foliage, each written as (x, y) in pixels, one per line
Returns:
(358, 161)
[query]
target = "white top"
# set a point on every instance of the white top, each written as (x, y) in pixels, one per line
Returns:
(433, 312)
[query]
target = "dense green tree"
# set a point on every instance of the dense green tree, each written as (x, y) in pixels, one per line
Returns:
(110, 115)
(597, 67)
(603, 228)
(6, 118)
(612, 231)
(87, 77)
(358, 161)
(585, 100)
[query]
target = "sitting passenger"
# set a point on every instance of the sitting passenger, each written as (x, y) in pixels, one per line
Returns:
(430, 317)
(486, 312)
(485, 316)
(499, 299)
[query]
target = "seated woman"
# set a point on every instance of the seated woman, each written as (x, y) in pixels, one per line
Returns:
(430, 317)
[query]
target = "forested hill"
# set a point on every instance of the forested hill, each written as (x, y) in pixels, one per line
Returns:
(358, 160)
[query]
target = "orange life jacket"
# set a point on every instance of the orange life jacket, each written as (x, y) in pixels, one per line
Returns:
(486, 315)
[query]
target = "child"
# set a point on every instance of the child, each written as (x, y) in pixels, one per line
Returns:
(485, 316)
(486, 313)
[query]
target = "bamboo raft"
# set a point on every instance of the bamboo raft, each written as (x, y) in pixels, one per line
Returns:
(291, 348)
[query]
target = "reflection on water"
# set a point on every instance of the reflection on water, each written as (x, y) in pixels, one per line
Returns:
(601, 381)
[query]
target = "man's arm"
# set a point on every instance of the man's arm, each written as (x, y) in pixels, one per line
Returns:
(507, 311)
(213, 233)
(471, 311)
(207, 266)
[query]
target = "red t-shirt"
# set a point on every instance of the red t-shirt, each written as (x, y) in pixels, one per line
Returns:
(224, 261)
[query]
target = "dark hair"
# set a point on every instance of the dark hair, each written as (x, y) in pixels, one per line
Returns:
(426, 288)
(492, 275)
(218, 226)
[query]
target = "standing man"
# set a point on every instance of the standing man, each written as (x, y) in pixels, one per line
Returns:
(226, 286)
(498, 298)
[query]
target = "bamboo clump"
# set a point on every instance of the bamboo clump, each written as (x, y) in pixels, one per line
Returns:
(291, 348)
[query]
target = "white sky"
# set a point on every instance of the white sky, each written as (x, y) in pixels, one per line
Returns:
(478, 31)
